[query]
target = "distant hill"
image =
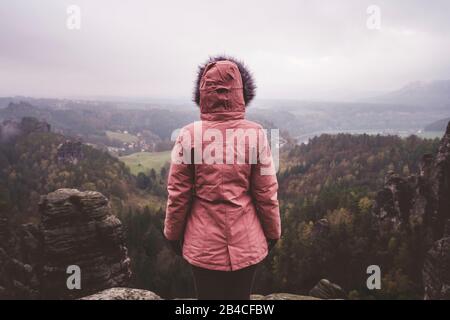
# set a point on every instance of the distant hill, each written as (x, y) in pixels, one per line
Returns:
(433, 94)
(89, 119)
(439, 125)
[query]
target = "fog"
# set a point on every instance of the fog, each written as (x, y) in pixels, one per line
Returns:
(296, 49)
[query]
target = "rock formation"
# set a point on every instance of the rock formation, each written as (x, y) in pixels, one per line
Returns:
(282, 296)
(77, 228)
(138, 294)
(18, 254)
(325, 289)
(436, 275)
(395, 201)
(423, 198)
(10, 129)
(123, 294)
(70, 152)
(440, 186)
(437, 189)
(436, 271)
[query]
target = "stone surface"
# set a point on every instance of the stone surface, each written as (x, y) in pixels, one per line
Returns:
(423, 198)
(282, 296)
(395, 201)
(70, 152)
(440, 186)
(11, 129)
(436, 271)
(325, 289)
(79, 229)
(138, 294)
(18, 252)
(123, 294)
(436, 268)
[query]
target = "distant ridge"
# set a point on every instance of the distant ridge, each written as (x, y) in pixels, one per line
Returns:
(439, 125)
(419, 93)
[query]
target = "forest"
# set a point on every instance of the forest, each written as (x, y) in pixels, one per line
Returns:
(328, 189)
(327, 193)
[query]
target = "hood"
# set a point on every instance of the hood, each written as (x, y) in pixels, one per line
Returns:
(224, 88)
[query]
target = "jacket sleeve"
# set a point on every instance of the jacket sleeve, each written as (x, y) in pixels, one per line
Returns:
(180, 188)
(264, 188)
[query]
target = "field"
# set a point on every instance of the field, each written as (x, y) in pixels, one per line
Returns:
(122, 137)
(144, 161)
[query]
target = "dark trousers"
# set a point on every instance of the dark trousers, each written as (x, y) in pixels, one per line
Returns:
(224, 285)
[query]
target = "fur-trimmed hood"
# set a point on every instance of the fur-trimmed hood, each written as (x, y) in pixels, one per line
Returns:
(247, 84)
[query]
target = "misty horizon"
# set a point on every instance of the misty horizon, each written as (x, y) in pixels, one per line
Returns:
(298, 50)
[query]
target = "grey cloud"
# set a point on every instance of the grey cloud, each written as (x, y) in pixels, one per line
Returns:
(297, 49)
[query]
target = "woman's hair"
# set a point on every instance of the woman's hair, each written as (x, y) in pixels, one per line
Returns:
(247, 78)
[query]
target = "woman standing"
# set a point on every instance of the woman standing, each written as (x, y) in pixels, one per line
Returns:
(222, 213)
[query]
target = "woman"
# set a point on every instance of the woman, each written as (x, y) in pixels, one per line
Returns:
(222, 216)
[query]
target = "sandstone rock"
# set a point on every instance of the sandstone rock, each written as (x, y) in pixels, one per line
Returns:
(11, 129)
(70, 152)
(436, 189)
(436, 269)
(395, 201)
(441, 186)
(79, 229)
(138, 294)
(123, 294)
(18, 278)
(4, 229)
(282, 296)
(325, 289)
(426, 198)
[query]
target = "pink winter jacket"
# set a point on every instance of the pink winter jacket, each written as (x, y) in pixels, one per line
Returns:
(222, 211)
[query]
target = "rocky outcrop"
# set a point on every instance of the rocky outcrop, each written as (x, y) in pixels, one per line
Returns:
(70, 152)
(440, 186)
(123, 294)
(423, 198)
(437, 261)
(11, 129)
(76, 229)
(4, 229)
(138, 294)
(282, 296)
(436, 275)
(395, 201)
(79, 229)
(19, 250)
(325, 289)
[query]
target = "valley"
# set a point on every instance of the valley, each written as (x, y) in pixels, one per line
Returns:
(341, 168)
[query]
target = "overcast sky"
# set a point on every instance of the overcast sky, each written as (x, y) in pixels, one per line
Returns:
(296, 49)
